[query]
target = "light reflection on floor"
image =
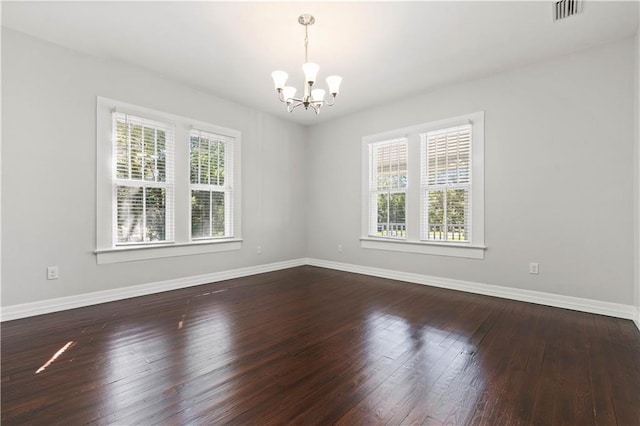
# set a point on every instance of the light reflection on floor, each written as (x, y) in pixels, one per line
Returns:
(54, 357)
(433, 366)
(202, 332)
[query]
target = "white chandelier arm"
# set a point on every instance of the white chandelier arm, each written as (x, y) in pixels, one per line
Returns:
(333, 101)
(295, 104)
(315, 107)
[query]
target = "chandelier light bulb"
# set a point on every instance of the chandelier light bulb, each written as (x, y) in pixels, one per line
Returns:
(279, 79)
(310, 70)
(333, 81)
(288, 93)
(317, 95)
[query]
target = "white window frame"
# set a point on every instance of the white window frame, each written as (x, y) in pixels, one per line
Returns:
(226, 188)
(106, 249)
(426, 186)
(475, 247)
(374, 191)
(168, 185)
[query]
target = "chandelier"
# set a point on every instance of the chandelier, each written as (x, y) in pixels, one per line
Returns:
(313, 98)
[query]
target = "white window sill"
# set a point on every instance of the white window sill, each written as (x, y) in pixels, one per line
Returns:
(422, 247)
(157, 251)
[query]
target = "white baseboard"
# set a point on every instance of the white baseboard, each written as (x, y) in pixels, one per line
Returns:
(567, 302)
(63, 303)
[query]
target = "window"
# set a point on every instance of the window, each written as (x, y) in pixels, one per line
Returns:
(387, 188)
(446, 184)
(142, 180)
(166, 185)
(424, 188)
(211, 185)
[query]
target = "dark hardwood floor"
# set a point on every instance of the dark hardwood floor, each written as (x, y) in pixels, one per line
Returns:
(315, 346)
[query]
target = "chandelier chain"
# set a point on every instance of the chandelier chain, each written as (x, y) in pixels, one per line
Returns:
(306, 42)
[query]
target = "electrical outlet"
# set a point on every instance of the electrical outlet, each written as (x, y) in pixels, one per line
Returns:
(53, 273)
(259, 249)
(534, 268)
(339, 248)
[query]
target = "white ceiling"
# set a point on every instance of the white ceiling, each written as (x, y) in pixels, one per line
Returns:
(383, 50)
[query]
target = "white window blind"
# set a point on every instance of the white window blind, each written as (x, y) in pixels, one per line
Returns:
(388, 188)
(143, 180)
(446, 184)
(211, 184)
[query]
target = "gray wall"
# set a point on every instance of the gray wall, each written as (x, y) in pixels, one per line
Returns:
(48, 173)
(636, 180)
(559, 143)
(559, 175)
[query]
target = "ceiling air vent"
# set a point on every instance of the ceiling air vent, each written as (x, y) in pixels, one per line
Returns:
(565, 8)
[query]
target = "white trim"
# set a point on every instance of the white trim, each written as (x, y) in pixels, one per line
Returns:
(423, 247)
(71, 302)
(128, 253)
(617, 310)
(567, 302)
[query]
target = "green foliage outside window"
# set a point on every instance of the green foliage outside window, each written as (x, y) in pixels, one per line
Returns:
(452, 226)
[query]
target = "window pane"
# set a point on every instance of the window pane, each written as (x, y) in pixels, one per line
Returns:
(130, 214)
(207, 161)
(383, 214)
(457, 215)
(207, 214)
(194, 154)
(391, 165)
(149, 138)
(431, 163)
(213, 164)
(200, 214)
(141, 214)
(464, 156)
(221, 153)
(162, 155)
(448, 154)
(217, 214)
(441, 159)
(435, 218)
(140, 152)
(122, 151)
(137, 155)
(204, 161)
(155, 214)
(382, 156)
(452, 158)
(453, 226)
(391, 215)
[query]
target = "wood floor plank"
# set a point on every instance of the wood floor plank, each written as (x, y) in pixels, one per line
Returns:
(310, 345)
